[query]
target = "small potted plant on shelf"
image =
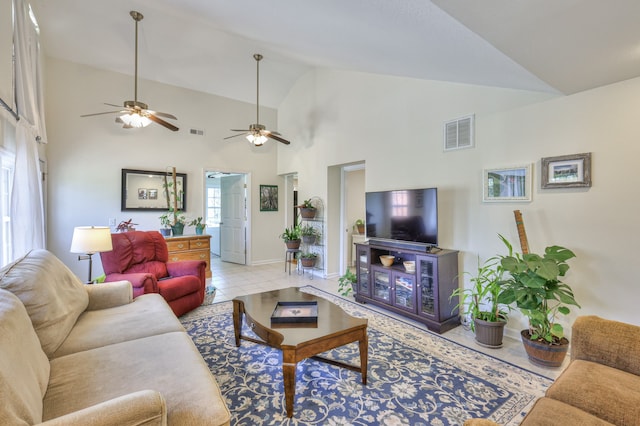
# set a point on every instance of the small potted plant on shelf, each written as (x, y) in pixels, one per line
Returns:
(126, 225)
(165, 224)
(291, 237)
(347, 283)
(487, 316)
(308, 259)
(535, 287)
(198, 224)
(360, 226)
(309, 234)
(307, 209)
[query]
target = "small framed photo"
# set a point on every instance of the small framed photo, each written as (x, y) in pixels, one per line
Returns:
(268, 198)
(566, 171)
(152, 193)
(507, 184)
(142, 194)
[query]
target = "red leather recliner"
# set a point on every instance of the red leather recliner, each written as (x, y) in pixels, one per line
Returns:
(141, 257)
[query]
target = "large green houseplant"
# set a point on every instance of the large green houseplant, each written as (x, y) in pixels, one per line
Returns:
(480, 301)
(535, 287)
(291, 237)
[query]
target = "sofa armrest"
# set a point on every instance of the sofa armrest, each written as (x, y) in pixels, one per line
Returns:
(612, 343)
(142, 282)
(108, 295)
(145, 407)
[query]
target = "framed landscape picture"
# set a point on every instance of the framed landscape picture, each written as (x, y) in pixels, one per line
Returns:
(268, 198)
(507, 184)
(566, 171)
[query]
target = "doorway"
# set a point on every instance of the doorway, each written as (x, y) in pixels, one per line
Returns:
(227, 214)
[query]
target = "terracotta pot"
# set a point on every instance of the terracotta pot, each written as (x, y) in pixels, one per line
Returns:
(308, 262)
(293, 244)
(307, 212)
(542, 353)
(360, 229)
(489, 334)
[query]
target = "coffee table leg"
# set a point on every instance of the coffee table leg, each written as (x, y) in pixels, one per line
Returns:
(237, 320)
(289, 372)
(364, 357)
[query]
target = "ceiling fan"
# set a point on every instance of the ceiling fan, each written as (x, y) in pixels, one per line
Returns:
(258, 134)
(136, 114)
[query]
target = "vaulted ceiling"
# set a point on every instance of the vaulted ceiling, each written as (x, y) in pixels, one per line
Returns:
(558, 46)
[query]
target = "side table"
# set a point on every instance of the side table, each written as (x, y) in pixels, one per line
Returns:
(289, 255)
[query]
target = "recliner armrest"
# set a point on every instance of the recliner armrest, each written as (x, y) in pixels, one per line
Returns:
(186, 267)
(145, 407)
(109, 295)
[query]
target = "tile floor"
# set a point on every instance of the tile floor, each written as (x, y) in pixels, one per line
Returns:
(233, 280)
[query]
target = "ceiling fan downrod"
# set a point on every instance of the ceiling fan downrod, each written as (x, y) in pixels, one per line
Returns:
(137, 16)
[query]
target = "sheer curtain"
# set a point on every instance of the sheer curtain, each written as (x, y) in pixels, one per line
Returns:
(27, 208)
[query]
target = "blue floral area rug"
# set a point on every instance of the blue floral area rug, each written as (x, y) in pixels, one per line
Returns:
(415, 377)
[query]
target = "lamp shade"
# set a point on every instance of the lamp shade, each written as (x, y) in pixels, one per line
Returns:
(91, 239)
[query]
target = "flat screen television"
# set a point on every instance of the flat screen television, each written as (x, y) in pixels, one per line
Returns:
(403, 217)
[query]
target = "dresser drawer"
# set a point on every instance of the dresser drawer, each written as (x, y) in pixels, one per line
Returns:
(191, 255)
(199, 243)
(177, 245)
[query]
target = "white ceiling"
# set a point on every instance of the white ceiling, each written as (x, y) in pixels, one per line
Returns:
(561, 46)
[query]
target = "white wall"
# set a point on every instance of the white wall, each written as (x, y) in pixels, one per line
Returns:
(86, 155)
(395, 126)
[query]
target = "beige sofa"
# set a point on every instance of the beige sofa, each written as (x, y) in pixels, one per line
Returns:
(601, 385)
(74, 354)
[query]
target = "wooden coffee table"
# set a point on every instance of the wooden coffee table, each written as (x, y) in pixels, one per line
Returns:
(334, 328)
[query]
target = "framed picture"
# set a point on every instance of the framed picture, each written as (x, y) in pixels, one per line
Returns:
(268, 198)
(566, 171)
(507, 184)
(147, 190)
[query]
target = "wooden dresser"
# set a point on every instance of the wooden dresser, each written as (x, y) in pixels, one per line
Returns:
(190, 247)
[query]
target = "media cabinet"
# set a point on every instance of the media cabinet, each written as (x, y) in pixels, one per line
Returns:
(422, 295)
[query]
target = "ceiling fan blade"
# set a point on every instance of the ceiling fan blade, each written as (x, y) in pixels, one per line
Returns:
(163, 114)
(102, 113)
(235, 136)
(114, 105)
(162, 122)
(278, 138)
(240, 130)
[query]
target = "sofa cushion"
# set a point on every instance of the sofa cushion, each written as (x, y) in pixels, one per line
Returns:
(549, 412)
(24, 367)
(147, 315)
(602, 391)
(168, 363)
(53, 295)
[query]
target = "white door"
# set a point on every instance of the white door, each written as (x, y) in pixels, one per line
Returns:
(233, 219)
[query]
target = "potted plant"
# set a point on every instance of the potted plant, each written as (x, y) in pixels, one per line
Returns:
(307, 209)
(126, 225)
(291, 237)
(487, 315)
(179, 220)
(165, 223)
(536, 289)
(360, 226)
(308, 259)
(309, 234)
(347, 283)
(199, 225)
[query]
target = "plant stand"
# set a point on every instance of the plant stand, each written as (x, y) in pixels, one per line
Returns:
(289, 257)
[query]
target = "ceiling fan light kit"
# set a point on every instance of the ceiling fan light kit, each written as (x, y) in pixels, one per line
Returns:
(257, 134)
(136, 114)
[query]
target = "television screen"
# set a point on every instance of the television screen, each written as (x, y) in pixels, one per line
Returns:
(403, 215)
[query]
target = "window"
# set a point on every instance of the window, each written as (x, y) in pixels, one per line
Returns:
(400, 203)
(213, 207)
(6, 180)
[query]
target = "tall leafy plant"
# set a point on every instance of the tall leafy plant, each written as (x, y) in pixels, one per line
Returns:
(536, 289)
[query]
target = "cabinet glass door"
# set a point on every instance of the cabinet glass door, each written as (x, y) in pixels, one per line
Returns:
(381, 285)
(362, 262)
(404, 291)
(426, 268)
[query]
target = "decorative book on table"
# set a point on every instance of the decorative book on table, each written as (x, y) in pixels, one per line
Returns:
(298, 312)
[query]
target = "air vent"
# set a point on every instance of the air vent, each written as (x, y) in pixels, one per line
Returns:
(196, 132)
(458, 133)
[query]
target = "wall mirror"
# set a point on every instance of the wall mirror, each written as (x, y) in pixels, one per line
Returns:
(145, 190)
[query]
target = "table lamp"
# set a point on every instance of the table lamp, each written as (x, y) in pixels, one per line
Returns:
(90, 240)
